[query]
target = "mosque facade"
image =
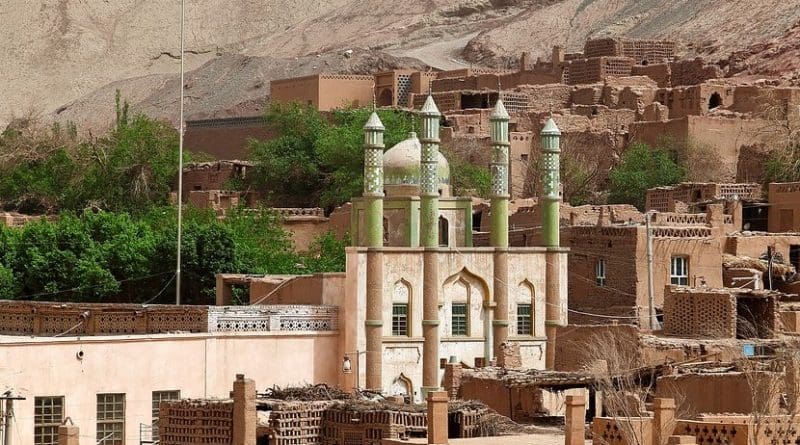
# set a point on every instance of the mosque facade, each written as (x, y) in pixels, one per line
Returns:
(417, 293)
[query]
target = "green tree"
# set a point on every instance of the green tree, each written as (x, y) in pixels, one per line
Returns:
(641, 168)
(314, 160)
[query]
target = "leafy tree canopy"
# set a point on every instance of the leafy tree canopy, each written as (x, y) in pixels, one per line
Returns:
(641, 168)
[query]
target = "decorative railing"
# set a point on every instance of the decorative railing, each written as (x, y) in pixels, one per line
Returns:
(272, 318)
(681, 219)
(74, 319)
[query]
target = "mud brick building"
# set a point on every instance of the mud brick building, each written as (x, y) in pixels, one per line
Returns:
(325, 91)
(784, 208)
(688, 196)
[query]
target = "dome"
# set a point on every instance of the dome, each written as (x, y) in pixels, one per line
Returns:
(401, 164)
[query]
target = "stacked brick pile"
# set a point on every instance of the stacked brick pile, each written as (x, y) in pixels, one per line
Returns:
(296, 423)
(208, 422)
(346, 425)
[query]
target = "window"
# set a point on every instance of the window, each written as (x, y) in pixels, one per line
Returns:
(600, 272)
(47, 416)
(679, 271)
(523, 157)
(110, 419)
(444, 231)
(524, 326)
(459, 319)
(399, 319)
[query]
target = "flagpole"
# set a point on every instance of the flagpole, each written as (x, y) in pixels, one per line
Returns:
(180, 167)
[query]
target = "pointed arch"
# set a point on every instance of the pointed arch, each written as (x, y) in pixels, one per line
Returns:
(464, 297)
(401, 291)
(522, 309)
(473, 279)
(402, 385)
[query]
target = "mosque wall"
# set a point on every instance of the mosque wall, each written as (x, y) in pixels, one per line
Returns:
(466, 276)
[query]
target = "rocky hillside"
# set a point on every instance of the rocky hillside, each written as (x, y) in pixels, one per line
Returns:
(69, 55)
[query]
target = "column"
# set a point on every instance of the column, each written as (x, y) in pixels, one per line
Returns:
(575, 421)
(244, 411)
(429, 240)
(373, 216)
(549, 205)
(437, 418)
(499, 230)
(663, 420)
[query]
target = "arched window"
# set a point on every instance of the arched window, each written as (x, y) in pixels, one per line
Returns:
(401, 296)
(386, 231)
(444, 232)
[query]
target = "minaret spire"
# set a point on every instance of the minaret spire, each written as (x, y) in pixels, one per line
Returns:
(373, 206)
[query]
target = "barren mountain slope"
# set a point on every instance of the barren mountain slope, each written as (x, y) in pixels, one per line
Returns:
(56, 51)
(229, 85)
(708, 27)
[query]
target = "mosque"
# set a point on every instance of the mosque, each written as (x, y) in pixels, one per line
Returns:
(417, 293)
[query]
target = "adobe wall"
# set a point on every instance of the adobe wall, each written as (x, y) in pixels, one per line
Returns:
(210, 176)
(755, 245)
(619, 247)
(225, 138)
(519, 160)
(344, 90)
(784, 210)
(574, 341)
(702, 246)
(596, 69)
(305, 230)
(693, 72)
(324, 288)
(708, 393)
(304, 90)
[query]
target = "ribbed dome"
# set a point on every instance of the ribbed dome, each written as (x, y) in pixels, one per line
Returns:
(401, 163)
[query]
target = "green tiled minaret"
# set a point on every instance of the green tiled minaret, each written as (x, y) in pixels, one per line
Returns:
(373, 180)
(429, 175)
(551, 182)
(500, 146)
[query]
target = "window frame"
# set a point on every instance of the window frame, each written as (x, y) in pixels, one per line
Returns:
(525, 316)
(463, 330)
(600, 272)
(49, 429)
(107, 425)
(398, 318)
(679, 277)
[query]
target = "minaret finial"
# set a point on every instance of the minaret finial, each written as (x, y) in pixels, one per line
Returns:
(373, 94)
(499, 88)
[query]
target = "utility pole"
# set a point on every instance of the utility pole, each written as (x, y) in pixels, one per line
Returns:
(8, 424)
(651, 300)
(182, 129)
